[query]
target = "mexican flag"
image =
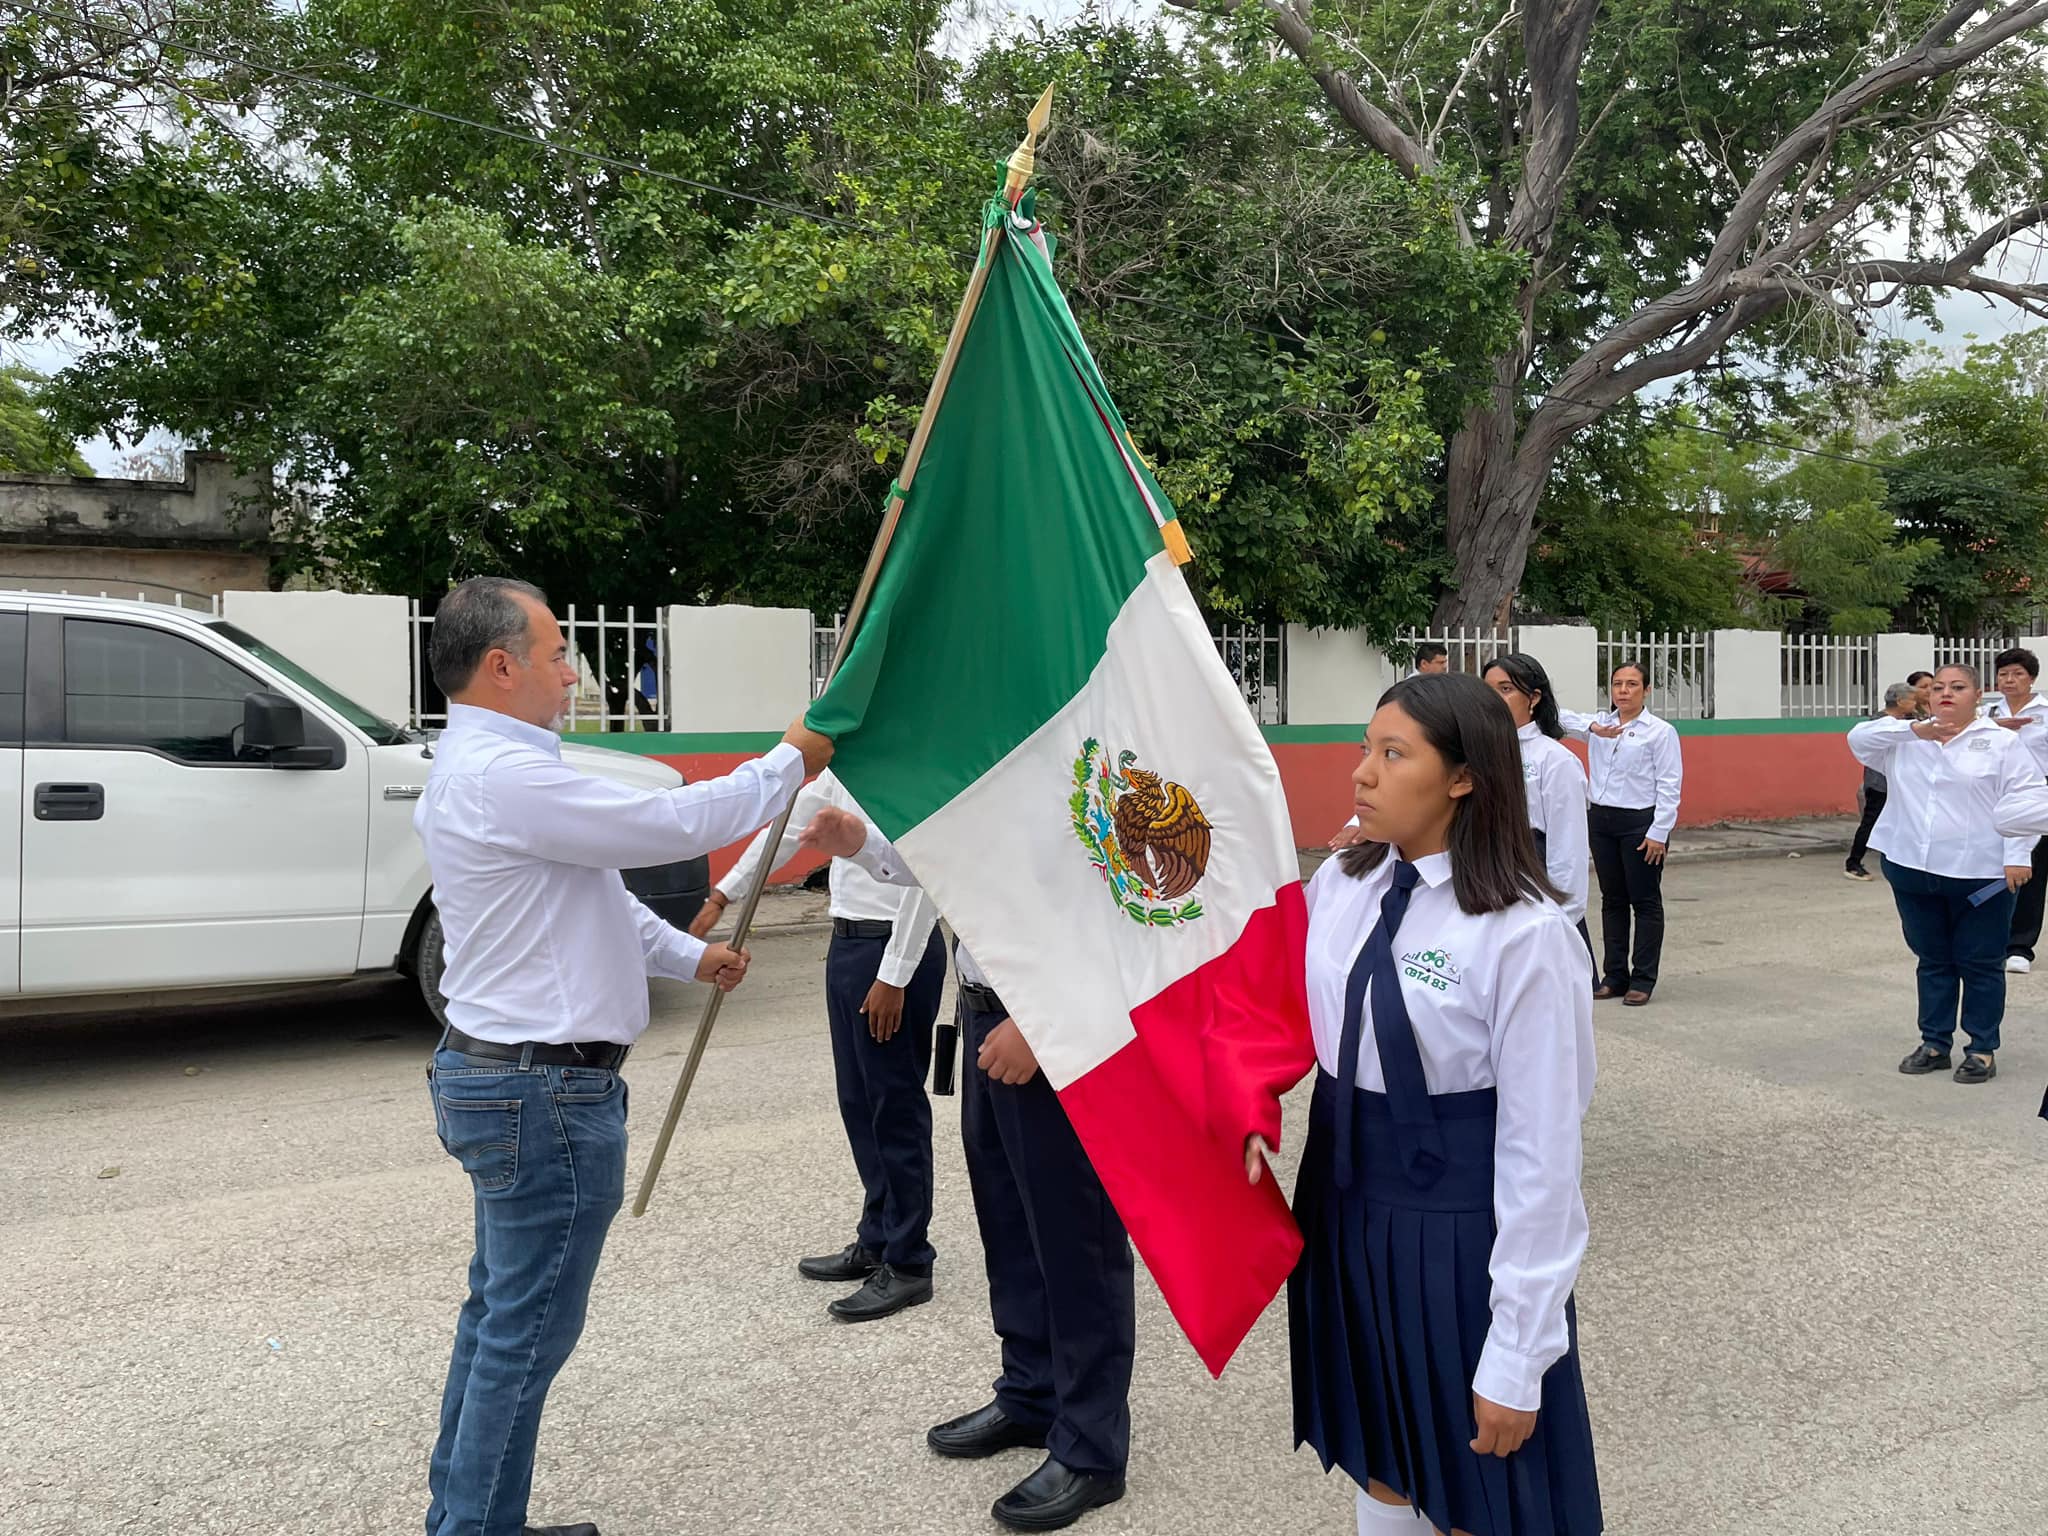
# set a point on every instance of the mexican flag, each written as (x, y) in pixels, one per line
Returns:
(1033, 710)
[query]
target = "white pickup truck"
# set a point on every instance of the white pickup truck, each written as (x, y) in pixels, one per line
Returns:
(200, 814)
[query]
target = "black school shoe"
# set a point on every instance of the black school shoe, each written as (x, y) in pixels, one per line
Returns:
(1977, 1067)
(1055, 1496)
(852, 1262)
(888, 1291)
(984, 1432)
(1925, 1059)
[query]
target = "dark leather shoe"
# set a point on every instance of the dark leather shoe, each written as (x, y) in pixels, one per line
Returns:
(1635, 999)
(1977, 1067)
(886, 1293)
(584, 1529)
(1054, 1497)
(1602, 994)
(852, 1262)
(982, 1433)
(1925, 1058)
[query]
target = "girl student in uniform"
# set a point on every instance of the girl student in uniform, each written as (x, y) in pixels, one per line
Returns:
(1433, 1333)
(1554, 779)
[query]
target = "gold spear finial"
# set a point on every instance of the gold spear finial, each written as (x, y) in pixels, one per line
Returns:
(1025, 160)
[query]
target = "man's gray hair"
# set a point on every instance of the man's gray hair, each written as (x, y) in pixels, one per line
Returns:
(479, 616)
(1899, 693)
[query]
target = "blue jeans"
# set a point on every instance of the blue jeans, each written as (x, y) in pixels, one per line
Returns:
(1961, 949)
(545, 1151)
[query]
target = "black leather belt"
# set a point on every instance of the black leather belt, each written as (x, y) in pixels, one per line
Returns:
(982, 999)
(574, 1053)
(861, 928)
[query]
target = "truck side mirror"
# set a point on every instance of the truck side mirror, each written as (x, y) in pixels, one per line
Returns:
(275, 726)
(271, 722)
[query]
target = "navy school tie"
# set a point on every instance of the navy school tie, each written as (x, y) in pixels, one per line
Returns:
(1415, 1132)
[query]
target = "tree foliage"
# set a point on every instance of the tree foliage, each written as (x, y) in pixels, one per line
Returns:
(30, 443)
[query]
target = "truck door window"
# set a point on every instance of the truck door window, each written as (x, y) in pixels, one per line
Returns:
(130, 686)
(13, 675)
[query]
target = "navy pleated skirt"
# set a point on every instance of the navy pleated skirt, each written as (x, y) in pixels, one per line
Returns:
(1387, 1314)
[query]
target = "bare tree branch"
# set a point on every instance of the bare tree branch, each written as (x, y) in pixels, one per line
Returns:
(1367, 119)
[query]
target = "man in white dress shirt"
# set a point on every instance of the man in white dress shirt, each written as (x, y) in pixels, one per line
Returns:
(547, 960)
(884, 975)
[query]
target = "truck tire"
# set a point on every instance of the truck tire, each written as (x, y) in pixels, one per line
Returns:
(428, 964)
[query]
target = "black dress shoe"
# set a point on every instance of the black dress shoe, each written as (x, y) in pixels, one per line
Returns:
(584, 1529)
(852, 1262)
(887, 1292)
(983, 1432)
(1925, 1058)
(1055, 1496)
(1977, 1067)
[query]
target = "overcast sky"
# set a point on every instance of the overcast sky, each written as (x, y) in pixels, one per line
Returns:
(974, 22)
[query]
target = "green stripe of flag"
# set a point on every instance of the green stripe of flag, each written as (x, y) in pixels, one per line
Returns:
(1021, 541)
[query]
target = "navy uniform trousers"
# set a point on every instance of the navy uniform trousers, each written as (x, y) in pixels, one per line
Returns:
(1059, 1265)
(881, 1091)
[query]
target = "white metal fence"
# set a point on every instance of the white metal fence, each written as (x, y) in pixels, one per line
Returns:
(1681, 667)
(1255, 655)
(1971, 651)
(824, 641)
(621, 660)
(1468, 649)
(1830, 675)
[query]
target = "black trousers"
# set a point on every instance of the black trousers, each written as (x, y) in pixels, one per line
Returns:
(1060, 1285)
(1873, 807)
(2027, 906)
(882, 1101)
(1630, 887)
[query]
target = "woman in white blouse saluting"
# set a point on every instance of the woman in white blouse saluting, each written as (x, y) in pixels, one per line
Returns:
(1637, 773)
(1434, 1338)
(1952, 874)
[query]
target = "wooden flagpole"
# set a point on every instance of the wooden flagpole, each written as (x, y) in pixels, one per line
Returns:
(1022, 163)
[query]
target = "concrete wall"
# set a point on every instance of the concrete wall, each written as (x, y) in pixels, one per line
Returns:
(1749, 674)
(734, 668)
(1570, 653)
(128, 537)
(1334, 676)
(358, 644)
(213, 506)
(158, 575)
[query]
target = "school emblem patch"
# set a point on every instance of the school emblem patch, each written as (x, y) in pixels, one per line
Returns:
(1146, 836)
(1431, 967)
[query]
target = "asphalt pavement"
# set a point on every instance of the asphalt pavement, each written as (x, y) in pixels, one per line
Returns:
(1814, 1303)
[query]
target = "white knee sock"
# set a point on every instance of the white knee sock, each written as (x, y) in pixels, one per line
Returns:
(1377, 1519)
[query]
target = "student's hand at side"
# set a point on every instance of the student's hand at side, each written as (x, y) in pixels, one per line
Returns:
(1501, 1430)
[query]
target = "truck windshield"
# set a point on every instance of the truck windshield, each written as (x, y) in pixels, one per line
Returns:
(371, 724)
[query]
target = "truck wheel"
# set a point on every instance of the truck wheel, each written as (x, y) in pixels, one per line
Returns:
(428, 964)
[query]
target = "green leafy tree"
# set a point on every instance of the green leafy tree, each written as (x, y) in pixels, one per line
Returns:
(30, 443)
(1972, 481)
(1679, 185)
